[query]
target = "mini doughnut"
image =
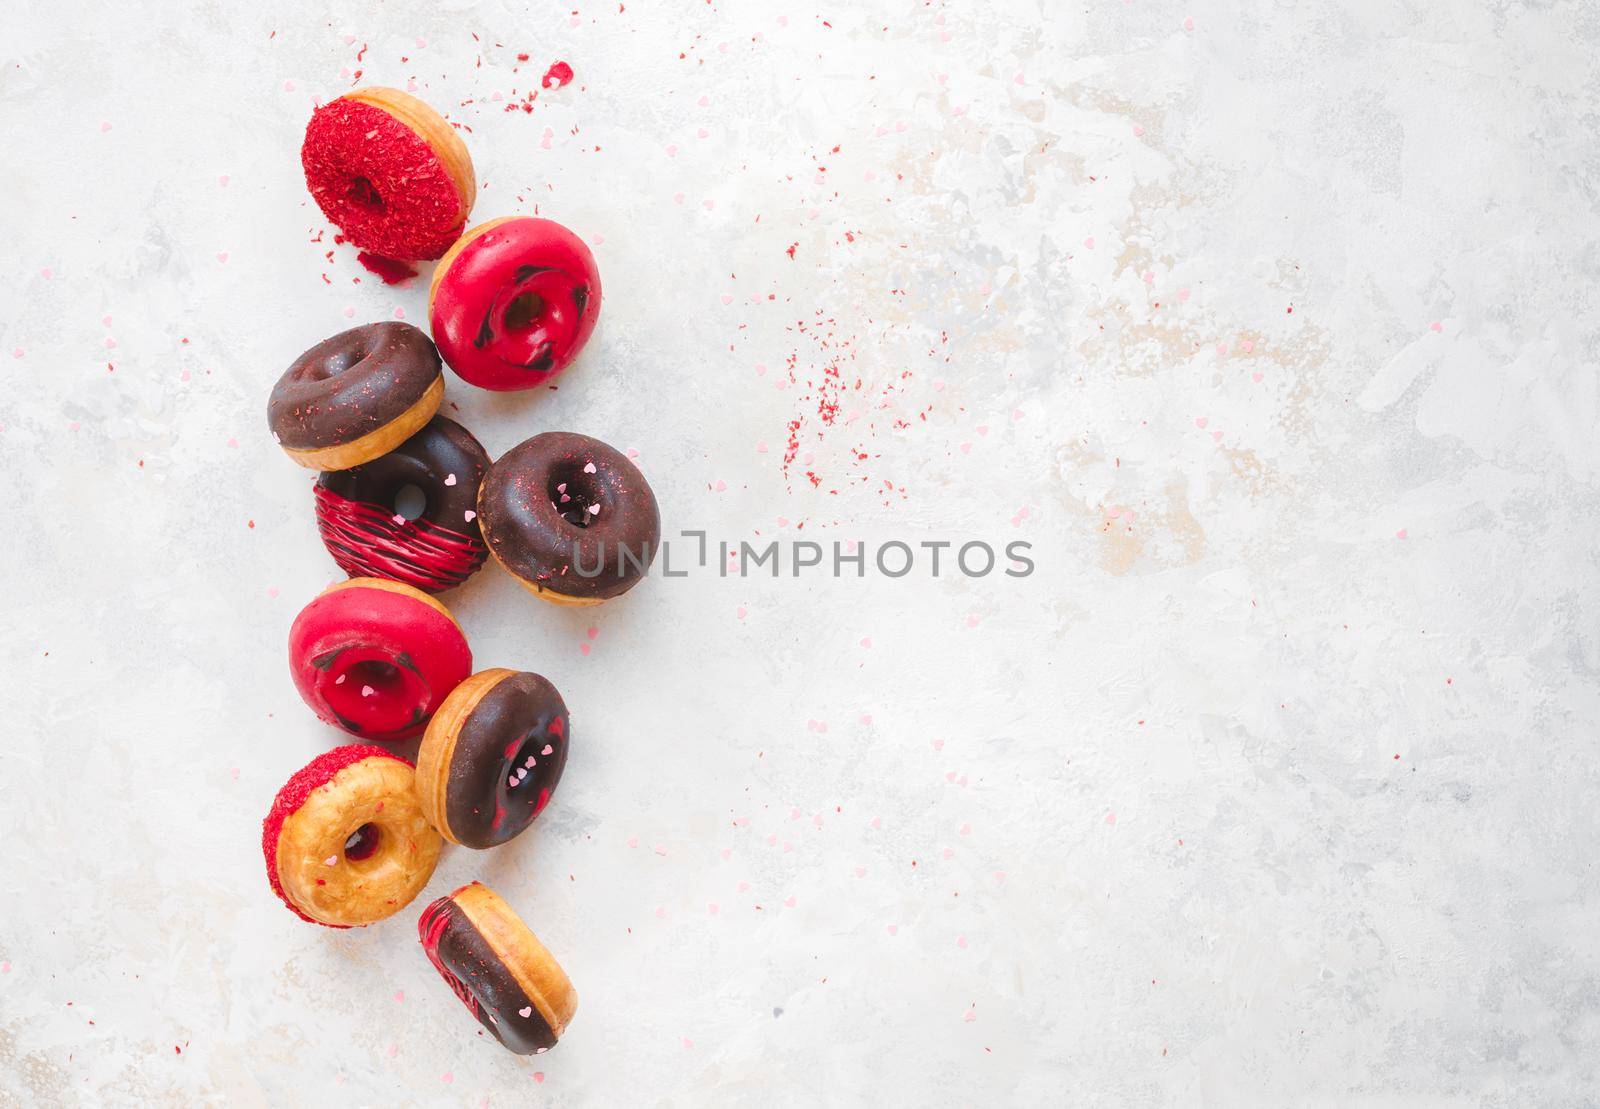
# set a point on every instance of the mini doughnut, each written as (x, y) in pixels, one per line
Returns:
(363, 530)
(513, 301)
(376, 658)
(345, 841)
(498, 968)
(492, 756)
(356, 396)
(389, 172)
(570, 518)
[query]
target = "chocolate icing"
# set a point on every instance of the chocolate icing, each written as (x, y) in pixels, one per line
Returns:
(443, 546)
(481, 980)
(351, 384)
(552, 536)
(514, 722)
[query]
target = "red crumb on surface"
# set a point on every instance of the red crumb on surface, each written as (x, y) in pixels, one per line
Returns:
(557, 76)
(313, 775)
(391, 271)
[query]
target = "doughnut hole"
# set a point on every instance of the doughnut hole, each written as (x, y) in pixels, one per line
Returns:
(364, 194)
(362, 844)
(574, 495)
(371, 694)
(524, 311)
(410, 501)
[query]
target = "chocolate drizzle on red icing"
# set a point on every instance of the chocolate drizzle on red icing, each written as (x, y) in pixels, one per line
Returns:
(478, 975)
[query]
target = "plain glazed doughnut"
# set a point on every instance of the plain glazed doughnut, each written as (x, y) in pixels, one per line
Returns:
(492, 757)
(441, 547)
(345, 841)
(570, 518)
(356, 396)
(498, 968)
(376, 658)
(513, 302)
(389, 172)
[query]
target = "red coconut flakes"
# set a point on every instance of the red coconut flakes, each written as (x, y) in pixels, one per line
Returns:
(312, 776)
(380, 182)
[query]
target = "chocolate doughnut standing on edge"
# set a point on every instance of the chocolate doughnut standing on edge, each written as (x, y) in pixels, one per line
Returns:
(570, 518)
(498, 968)
(364, 532)
(356, 395)
(492, 757)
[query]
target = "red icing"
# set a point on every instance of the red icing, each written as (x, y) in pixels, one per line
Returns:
(398, 656)
(557, 76)
(516, 305)
(392, 271)
(380, 182)
(366, 542)
(313, 775)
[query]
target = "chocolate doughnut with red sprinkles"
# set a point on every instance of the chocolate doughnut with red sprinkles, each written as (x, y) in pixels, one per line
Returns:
(356, 395)
(492, 757)
(389, 172)
(513, 302)
(570, 518)
(439, 548)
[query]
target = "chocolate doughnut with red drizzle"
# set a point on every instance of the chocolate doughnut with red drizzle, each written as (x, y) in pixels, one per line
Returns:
(494, 963)
(492, 756)
(377, 658)
(356, 395)
(389, 172)
(513, 301)
(570, 518)
(362, 527)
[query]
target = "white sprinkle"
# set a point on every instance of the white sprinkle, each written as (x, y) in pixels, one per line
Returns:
(450, 479)
(471, 515)
(589, 469)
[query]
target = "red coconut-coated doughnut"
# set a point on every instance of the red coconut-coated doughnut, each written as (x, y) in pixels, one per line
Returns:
(389, 172)
(345, 841)
(513, 302)
(376, 658)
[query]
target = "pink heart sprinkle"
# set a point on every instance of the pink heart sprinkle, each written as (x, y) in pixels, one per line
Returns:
(105, 126)
(860, 872)
(711, 908)
(633, 841)
(1401, 534)
(789, 901)
(331, 860)
(399, 519)
(743, 886)
(1436, 325)
(1183, 294)
(875, 823)
(972, 1015)
(222, 255)
(400, 997)
(589, 469)
(367, 691)
(893, 929)
(1137, 130)
(447, 1078)
(727, 299)
(741, 612)
(961, 941)
(687, 1042)
(866, 641)
(966, 448)
(538, 1076)
(938, 745)
(450, 479)
(1200, 422)
(1255, 376)
(966, 829)
(548, 750)
(1247, 345)
(583, 649)
(349, 312)
(727, 853)
(525, 1011)
(471, 515)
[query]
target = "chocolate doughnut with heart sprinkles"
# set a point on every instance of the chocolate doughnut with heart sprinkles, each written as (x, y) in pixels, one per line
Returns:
(356, 395)
(570, 518)
(362, 525)
(498, 968)
(492, 756)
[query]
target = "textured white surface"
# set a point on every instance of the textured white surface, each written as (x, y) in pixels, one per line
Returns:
(1274, 785)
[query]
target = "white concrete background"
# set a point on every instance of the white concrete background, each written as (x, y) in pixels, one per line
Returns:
(1276, 783)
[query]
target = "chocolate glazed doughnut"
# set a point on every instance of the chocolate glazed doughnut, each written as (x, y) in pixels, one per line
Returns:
(356, 396)
(570, 518)
(492, 757)
(366, 535)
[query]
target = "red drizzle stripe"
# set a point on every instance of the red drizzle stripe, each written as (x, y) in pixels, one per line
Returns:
(366, 542)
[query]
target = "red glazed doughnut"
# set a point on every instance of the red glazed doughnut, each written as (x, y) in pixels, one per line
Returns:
(389, 172)
(513, 302)
(376, 658)
(345, 841)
